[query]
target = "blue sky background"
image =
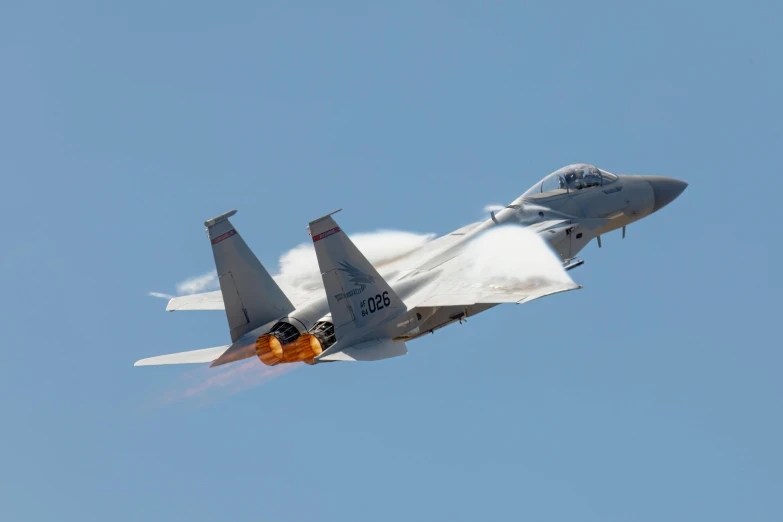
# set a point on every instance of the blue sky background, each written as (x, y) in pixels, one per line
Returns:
(653, 394)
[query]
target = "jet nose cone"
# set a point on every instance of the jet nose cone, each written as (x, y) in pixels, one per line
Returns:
(665, 189)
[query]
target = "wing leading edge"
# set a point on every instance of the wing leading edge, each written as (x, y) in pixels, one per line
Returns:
(460, 283)
(205, 301)
(461, 293)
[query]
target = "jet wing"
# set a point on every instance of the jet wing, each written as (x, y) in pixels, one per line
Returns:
(456, 292)
(457, 282)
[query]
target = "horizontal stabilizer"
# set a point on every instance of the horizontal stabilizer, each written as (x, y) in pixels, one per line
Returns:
(205, 301)
(214, 301)
(372, 350)
(192, 357)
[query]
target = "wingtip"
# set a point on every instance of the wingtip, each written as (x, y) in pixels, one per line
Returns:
(147, 361)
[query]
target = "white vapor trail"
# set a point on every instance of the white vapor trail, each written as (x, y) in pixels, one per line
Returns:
(298, 267)
(160, 295)
(192, 285)
(196, 284)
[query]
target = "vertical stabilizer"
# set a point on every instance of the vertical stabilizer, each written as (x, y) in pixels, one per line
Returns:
(251, 296)
(359, 298)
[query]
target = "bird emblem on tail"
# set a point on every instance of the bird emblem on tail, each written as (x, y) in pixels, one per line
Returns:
(357, 277)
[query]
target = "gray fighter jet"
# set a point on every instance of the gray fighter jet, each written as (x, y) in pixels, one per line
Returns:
(361, 315)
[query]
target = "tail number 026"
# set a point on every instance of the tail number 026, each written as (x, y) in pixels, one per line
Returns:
(373, 304)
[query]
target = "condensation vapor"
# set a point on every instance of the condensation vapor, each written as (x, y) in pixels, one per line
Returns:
(298, 268)
(511, 254)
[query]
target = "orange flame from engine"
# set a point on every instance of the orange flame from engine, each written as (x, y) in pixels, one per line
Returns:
(304, 349)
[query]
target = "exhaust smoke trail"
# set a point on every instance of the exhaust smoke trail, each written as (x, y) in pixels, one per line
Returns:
(212, 384)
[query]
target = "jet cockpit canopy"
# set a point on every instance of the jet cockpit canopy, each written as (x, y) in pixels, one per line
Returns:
(571, 179)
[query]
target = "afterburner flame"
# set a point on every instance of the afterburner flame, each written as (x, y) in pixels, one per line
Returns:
(269, 350)
(271, 353)
(305, 349)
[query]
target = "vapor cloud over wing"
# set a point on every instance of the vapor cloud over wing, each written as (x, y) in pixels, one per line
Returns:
(192, 285)
(202, 283)
(298, 268)
(511, 254)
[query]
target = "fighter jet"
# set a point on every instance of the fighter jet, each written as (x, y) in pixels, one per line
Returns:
(361, 315)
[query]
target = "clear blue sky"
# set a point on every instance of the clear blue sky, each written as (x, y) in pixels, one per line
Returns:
(653, 394)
